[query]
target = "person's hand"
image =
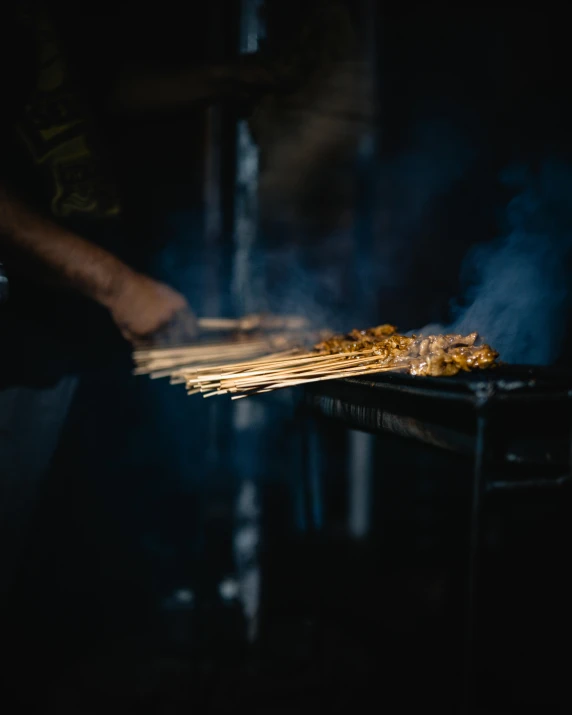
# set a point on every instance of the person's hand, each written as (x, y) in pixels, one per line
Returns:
(149, 312)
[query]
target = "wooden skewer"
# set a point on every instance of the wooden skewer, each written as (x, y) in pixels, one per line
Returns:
(302, 365)
(209, 349)
(251, 322)
(189, 362)
(293, 383)
(155, 351)
(152, 353)
(193, 366)
(237, 352)
(219, 323)
(180, 368)
(190, 358)
(295, 359)
(366, 365)
(262, 360)
(281, 375)
(247, 369)
(293, 376)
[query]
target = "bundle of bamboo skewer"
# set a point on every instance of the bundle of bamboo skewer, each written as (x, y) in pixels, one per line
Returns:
(273, 372)
(246, 338)
(371, 351)
(166, 362)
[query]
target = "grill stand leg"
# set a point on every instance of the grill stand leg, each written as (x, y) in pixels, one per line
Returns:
(477, 495)
(311, 479)
(310, 524)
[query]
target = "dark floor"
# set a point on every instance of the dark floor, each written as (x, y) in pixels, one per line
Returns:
(342, 623)
(393, 638)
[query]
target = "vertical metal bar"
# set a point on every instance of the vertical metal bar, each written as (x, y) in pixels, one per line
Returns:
(315, 492)
(360, 444)
(213, 211)
(212, 196)
(309, 498)
(305, 521)
(360, 478)
(370, 141)
(213, 214)
(247, 421)
(246, 198)
(367, 155)
(479, 483)
(246, 547)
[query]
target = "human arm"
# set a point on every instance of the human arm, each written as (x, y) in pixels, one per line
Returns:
(141, 307)
(144, 90)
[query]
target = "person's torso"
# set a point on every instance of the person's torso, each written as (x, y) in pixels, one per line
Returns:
(54, 159)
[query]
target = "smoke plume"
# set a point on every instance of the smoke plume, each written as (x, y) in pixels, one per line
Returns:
(518, 296)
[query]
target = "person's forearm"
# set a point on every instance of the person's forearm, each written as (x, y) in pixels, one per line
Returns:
(78, 263)
(138, 90)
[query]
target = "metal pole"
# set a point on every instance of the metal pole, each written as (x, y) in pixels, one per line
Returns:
(478, 491)
(247, 417)
(246, 197)
(367, 156)
(213, 211)
(360, 483)
(360, 445)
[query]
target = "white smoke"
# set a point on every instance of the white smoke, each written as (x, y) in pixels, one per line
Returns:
(519, 294)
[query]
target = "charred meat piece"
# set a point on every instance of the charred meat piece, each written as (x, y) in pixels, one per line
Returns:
(434, 355)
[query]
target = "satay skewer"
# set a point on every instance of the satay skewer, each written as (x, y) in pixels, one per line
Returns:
(372, 351)
(255, 322)
(321, 378)
(279, 366)
(177, 369)
(261, 379)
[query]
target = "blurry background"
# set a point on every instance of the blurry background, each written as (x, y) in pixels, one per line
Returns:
(174, 556)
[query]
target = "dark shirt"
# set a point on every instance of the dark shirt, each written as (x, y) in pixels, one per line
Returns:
(50, 124)
(51, 156)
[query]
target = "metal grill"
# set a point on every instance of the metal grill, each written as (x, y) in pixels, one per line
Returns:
(515, 423)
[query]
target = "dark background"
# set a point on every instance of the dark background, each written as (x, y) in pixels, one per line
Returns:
(140, 499)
